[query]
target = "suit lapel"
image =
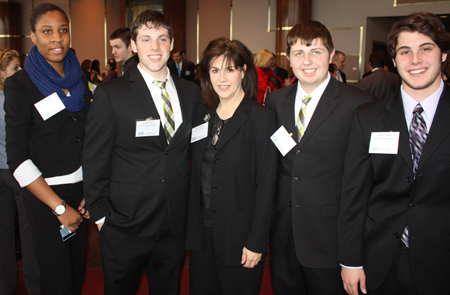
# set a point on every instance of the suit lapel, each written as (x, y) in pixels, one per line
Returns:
(185, 128)
(440, 128)
(325, 106)
(288, 112)
(395, 121)
(145, 99)
(233, 125)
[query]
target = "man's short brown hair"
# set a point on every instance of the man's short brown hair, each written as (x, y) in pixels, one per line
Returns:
(306, 32)
(425, 23)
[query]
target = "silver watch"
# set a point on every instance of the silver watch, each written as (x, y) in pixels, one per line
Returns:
(60, 209)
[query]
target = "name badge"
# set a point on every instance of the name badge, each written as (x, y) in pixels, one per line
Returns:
(199, 132)
(188, 73)
(49, 106)
(147, 127)
(283, 140)
(384, 143)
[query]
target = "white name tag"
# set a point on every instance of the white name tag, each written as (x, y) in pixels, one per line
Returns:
(49, 106)
(148, 127)
(384, 142)
(283, 140)
(188, 73)
(199, 132)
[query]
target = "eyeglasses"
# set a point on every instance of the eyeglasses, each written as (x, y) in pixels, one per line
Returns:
(215, 138)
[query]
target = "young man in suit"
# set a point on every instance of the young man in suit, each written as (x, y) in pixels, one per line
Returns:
(317, 112)
(181, 68)
(136, 165)
(393, 227)
(120, 41)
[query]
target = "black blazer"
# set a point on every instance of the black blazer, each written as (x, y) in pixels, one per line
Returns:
(55, 145)
(243, 179)
(187, 70)
(309, 176)
(282, 73)
(381, 83)
(380, 197)
(134, 181)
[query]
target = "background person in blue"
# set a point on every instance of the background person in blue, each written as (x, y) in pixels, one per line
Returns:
(45, 155)
(233, 176)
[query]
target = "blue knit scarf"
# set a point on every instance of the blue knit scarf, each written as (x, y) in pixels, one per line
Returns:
(48, 81)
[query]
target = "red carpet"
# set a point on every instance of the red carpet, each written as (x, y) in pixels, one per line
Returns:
(93, 284)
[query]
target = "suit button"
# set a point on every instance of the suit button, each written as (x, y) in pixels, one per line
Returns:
(297, 152)
(408, 179)
(290, 204)
(76, 139)
(166, 153)
(73, 118)
(214, 188)
(396, 236)
(411, 206)
(216, 160)
(162, 179)
(295, 179)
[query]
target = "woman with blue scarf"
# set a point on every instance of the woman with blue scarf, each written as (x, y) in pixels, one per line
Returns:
(46, 106)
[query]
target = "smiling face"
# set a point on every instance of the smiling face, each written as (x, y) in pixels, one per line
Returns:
(418, 60)
(153, 46)
(310, 63)
(52, 38)
(226, 79)
(120, 50)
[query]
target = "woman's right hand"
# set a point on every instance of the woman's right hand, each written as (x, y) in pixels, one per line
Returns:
(71, 219)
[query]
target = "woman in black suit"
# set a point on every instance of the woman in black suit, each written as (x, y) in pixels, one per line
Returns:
(46, 106)
(233, 175)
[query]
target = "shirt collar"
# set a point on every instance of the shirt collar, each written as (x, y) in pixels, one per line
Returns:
(149, 78)
(429, 104)
(317, 93)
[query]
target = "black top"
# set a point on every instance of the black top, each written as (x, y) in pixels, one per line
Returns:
(130, 64)
(55, 145)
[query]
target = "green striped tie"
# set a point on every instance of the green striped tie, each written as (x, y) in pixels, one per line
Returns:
(169, 124)
(301, 117)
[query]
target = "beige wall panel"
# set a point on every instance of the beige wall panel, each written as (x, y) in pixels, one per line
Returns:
(88, 37)
(250, 24)
(214, 21)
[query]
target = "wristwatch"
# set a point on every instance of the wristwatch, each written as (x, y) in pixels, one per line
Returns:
(60, 209)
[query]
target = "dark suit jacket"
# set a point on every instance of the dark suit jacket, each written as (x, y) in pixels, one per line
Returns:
(187, 70)
(135, 181)
(381, 83)
(380, 197)
(243, 179)
(55, 145)
(130, 64)
(282, 73)
(344, 76)
(309, 176)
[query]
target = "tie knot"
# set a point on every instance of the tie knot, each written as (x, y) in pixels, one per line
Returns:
(160, 84)
(418, 109)
(306, 99)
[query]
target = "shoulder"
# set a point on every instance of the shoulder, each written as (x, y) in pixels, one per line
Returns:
(349, 91)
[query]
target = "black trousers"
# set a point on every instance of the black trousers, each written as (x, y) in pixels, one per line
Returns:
(11, 200)
(209, 276)
(291, 278)
(399, 280)
(62, 264)
(124, 259)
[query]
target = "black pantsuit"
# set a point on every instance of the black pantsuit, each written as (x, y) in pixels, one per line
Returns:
(12, 205)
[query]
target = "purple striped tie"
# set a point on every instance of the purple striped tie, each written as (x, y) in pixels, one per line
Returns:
(417, 138)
